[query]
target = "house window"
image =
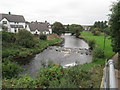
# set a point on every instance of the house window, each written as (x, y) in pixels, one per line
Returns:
(4, 22)
(15, 30)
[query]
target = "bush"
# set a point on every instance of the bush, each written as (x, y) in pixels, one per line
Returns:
(51, 73)
(25, 38)
(96, 31)
(8, 37)
(98, 53)
(43, 37)
(10, 69)
(91, 44)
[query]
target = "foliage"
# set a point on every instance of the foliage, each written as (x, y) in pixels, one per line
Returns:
(20, 82)
(75, 29)
(8, 37)
(10, 69)
(98, 53)
(96, 31)
(101, 25)
(25, 38)
(47, 75)
(57, 77)
(107, 31)
(91, 43)
(4, 28)
(43, 37)
(100, 43)
(58, 28)
(115, 26)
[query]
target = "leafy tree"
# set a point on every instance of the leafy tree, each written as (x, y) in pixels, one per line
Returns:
(96, 31)
(115, 27)
(58, 28)
(101, 25)
(75, 29)
(25, 38)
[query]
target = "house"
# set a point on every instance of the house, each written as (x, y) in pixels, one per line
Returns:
(39, 27)
(13, 22)
(87, 27)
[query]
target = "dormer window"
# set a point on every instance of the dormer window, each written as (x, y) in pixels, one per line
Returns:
(4, 22)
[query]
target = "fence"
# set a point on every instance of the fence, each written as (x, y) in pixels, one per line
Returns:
(109, 75)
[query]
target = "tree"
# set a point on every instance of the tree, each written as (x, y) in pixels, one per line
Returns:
(115, 27)
(101, 25)
(58, 28)
(96, 31)
(75, 29)
(25, 38)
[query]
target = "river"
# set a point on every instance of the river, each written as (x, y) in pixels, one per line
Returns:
(73, 50)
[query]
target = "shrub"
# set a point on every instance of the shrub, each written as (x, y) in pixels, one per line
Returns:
(25, 38)
(96, 31)
(51, 73)
(91, 44)
(8, 37)
(98, 53)
(10, 69)
(43, 36)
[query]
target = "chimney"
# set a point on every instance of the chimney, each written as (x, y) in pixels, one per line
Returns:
(45, 21)
(9, 13)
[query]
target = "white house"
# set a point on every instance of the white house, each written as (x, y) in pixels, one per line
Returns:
(39, 27)
(87, 27)
(13, 22)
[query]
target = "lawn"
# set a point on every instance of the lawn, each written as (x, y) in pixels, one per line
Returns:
(100, 43)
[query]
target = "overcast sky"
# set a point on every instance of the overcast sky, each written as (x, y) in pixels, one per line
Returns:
(64, 11)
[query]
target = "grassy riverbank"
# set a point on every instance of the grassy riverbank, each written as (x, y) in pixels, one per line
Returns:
(16, 51)
(12, 50)
(100, 43)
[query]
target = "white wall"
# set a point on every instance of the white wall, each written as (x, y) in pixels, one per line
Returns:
(11, 23)
(8, 24)
(28, 28)
(34, 32)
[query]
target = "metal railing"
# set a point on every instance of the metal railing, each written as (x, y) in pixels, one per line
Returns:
(109, 75)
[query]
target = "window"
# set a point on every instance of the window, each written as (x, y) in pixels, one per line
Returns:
(4, 22)
(15, 30)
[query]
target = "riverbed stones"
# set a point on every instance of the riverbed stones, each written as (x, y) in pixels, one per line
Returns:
(83, 51)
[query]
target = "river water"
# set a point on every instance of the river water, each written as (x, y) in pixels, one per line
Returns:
(73, 50)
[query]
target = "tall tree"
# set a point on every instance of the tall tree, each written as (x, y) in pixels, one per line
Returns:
(75, 29)
(58, 28)
(115, 27)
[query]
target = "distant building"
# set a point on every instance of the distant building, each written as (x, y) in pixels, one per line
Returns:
(87, 27)
(39, 27)
(13, 22)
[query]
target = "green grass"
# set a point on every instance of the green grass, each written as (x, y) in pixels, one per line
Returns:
(100, 43)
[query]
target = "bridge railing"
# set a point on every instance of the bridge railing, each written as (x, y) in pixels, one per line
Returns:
(109, 75)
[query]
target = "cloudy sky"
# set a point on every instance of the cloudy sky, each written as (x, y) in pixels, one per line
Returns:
(64, 11)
